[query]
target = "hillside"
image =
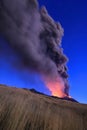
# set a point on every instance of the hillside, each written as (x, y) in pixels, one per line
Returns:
(24, 110)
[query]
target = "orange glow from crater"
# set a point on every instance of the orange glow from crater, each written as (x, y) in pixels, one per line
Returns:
(57, 89)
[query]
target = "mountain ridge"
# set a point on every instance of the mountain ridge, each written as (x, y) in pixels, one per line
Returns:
(24, 110)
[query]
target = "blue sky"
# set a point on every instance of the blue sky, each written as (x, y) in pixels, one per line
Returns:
(72, 14)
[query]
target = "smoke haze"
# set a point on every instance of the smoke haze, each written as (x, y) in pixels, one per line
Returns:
(36, 39)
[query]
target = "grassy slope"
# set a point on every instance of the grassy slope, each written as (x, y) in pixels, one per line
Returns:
(23, 110)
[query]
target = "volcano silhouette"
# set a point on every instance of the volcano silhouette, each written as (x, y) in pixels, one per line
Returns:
(64, 98)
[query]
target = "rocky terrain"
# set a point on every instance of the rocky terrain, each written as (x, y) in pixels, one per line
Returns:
(22, 109)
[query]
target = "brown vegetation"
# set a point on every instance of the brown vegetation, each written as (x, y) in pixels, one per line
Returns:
(23, 110)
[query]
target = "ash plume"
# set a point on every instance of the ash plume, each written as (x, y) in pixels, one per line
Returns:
(36, 38)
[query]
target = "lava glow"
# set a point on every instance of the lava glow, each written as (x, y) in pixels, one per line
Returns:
(57, 89)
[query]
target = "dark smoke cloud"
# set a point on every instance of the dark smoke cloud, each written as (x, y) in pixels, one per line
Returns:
(35, 36)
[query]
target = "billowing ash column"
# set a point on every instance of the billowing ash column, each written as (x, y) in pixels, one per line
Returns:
(36, 38)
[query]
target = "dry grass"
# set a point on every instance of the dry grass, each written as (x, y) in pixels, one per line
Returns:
(23, 110)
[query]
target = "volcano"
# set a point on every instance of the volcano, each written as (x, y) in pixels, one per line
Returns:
(64, 98)
(36, 40)
(22, 109)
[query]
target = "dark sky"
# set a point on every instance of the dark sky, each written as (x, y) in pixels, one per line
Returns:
(72, 14)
